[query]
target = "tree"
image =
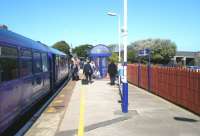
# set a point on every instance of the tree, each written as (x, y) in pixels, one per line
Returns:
(165, 49)
(113, 57)
(82, 50)
(162, 50)
(62, 46)
(113, 47)
(131, 56)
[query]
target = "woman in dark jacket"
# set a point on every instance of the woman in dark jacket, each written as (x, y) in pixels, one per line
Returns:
(112, 71)
(87, 70)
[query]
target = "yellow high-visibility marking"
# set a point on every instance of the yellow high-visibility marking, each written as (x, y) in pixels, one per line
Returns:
(51, 110)
(62, 95)
(82, 110)
(58, 101)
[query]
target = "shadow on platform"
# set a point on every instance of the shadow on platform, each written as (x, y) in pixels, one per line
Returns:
(94, 126)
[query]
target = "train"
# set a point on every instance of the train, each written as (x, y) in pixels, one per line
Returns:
(29, 71)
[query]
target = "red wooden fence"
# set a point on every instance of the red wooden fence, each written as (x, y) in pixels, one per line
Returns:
(178, 85)
(133, 74)
(144, 77)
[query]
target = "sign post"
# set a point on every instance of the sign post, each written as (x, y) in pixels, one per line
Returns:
(143, 53)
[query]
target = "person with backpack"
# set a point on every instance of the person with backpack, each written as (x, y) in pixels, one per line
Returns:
(87, 71)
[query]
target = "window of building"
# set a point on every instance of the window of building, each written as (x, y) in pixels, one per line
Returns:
(37, 66)
(44, 62)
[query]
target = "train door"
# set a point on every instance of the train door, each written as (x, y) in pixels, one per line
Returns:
(51, 69)
(46, 72)
(57, 69)
(67, 65)
(37, 70)
(26, 75)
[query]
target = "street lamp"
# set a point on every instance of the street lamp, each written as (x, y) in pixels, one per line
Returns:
(119, 32)
(125, 42)
(119, 46)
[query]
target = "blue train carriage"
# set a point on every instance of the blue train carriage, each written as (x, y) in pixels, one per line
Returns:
(60, 67)
(26, 74)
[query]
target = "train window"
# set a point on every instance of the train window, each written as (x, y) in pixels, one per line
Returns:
(37, 67)
(60, 61)
(8, 51)
(44, 62)
(63, 61)
(57, 60)
(8, 69)
(26, 53)
(25, 67)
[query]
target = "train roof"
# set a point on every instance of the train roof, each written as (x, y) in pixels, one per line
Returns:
(55, 51)
(12, 38)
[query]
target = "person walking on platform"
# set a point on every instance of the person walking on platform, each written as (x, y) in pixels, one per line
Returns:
(75, 70)
(87, 71)
(112, 71)
(75, 75)
(93, 68)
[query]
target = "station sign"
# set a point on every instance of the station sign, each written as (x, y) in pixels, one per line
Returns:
(144, 52)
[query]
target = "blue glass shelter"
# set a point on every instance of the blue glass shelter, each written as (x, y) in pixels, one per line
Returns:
(99, 54)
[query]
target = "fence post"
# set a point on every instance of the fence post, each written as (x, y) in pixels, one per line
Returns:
(149, 72)
(139, 74)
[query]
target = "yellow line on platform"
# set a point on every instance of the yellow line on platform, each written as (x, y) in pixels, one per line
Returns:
(82, 110)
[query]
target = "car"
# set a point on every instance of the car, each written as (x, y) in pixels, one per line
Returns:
(195, 68)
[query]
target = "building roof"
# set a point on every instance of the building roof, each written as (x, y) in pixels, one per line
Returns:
(186, 53)
(100, 50)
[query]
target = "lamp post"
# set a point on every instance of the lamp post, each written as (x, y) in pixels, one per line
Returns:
(119, 33)
(119, 46)
(125, 42)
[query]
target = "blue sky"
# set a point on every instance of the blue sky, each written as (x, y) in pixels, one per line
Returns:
(85, 21)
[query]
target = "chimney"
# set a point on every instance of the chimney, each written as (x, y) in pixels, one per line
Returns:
(4, 27)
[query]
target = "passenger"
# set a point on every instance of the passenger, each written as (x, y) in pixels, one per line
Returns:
(112, 71)
(87, 71)
(97, 74)
(81, 64)
(75, 71)
(71, 65)
(93, 68)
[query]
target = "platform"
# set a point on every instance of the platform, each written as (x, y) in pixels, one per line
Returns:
(101, 114)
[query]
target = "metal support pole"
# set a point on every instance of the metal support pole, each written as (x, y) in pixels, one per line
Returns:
(119, 49)
(125, 41)
(119, 38)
